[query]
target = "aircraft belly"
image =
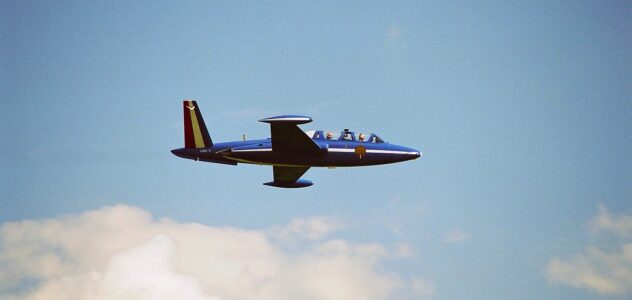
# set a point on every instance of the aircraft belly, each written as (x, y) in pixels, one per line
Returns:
(331, 159)
(350, 159)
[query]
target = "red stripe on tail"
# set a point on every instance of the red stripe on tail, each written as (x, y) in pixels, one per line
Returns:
(189, 140)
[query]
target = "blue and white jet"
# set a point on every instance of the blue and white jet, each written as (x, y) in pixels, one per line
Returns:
(290, 151)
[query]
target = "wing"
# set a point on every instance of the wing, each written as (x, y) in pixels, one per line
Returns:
(288, 177)
(288, 174)
(287, 137)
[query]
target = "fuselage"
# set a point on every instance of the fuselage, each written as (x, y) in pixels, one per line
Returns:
(332, 153)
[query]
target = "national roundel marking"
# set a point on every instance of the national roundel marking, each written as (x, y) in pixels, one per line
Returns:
(360, 151)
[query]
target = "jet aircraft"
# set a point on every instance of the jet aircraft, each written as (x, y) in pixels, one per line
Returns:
(290, 151)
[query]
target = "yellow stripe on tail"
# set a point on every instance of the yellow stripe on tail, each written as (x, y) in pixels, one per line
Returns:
(195, 132)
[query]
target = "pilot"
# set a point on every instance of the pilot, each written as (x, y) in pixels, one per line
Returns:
(361, 137)
(329, 135)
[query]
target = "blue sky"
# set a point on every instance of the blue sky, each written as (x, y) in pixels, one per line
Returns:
(522, 110)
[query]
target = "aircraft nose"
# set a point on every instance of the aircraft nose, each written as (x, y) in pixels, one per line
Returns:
(416, 154)
(409, 153)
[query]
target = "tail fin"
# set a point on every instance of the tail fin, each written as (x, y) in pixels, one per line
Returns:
(195, 132)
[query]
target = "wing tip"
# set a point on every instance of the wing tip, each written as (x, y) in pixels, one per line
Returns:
(287, 119)
(301, 183)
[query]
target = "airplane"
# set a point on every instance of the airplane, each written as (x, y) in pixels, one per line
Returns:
(290, 151)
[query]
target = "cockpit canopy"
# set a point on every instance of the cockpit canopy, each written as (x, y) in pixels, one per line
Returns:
(345, 135)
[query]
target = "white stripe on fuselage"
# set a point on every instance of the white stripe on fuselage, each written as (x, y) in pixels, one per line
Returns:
(372, 151)
(339, 150)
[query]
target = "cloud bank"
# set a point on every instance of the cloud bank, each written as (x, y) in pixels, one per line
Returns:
(604, 272)
(121, 252)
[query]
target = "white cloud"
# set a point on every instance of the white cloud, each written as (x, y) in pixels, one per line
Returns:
(620, 225)
(604, 272)
(141, 272)
(404, 250)
(313, 228)
(120, 252)
(456, 236)
(422, 288)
